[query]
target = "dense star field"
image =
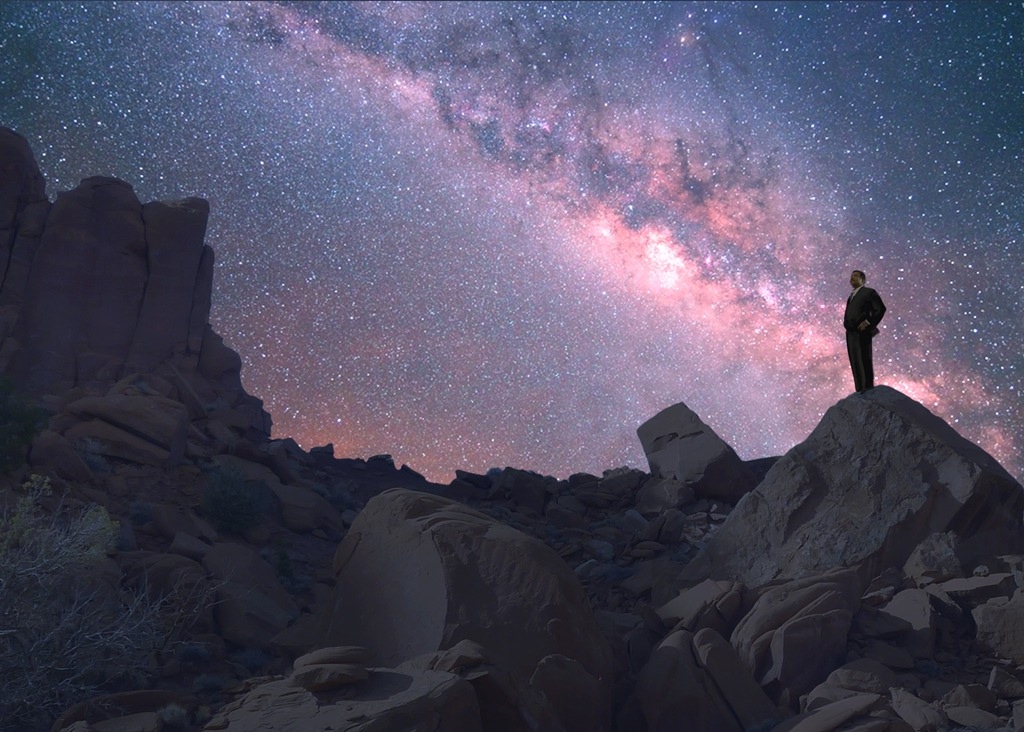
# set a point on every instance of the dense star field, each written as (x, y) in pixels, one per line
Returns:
(487, 234)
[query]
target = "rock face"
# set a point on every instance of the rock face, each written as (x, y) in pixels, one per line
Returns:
(418, 573)
(682, 450)
(796, 632)
(23, 211)
(98, 286)
(878, 475)
(697, 682)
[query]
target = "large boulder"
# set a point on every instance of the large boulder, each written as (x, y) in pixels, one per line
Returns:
(252, 606)
(1000, 624)
(417, 573)
(682, 450)
(698, 682)
(877, 476)
(797, 632)
(156, 420)
(50, 451)
(675, 693)
(302, 509)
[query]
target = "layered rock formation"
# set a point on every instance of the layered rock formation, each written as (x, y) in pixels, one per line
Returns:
(97, 287)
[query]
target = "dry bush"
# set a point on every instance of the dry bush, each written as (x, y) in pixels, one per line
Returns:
(66, 633)
(233, 503)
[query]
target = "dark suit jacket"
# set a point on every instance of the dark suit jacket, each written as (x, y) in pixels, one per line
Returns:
(865, 305)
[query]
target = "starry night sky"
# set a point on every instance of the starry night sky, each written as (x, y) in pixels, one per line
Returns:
(486, 234)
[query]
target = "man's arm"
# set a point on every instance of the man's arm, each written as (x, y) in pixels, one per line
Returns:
(875, 312)
(877, 309)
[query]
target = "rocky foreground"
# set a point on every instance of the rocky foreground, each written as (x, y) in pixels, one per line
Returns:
(867, 580)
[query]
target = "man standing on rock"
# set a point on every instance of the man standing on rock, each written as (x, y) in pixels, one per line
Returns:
(864, 311)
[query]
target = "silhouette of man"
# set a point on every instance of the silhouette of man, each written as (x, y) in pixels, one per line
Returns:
(864, 311)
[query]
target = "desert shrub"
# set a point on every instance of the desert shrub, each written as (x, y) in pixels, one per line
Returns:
(233, 503)
(195, 654)
(173, 716)
(290, 573)
(141, 512)
(90, 450)
(20, 422)
(252, 660)
(65, 635)
(208, 683)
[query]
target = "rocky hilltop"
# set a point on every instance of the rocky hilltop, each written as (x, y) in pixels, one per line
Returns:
(869, 579)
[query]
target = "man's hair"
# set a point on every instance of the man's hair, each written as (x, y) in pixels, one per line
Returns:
(862, 275)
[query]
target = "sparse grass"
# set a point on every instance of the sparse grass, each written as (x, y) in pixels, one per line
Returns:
(65, 634)
(141, 512)
(233, 503)
(195, 654)
(20, 422)
(208, 683)
(252, 660)
(173, 717)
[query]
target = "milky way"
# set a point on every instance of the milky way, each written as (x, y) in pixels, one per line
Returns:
(486, 234)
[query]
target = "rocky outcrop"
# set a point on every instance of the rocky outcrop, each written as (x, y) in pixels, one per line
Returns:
(844, 592)
(687, 457)
(98, 286)
(877, 476)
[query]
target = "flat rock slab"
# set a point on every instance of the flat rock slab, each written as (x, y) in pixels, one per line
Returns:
(428, 701)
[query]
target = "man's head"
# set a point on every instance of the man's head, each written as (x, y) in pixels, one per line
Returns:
(857, 279)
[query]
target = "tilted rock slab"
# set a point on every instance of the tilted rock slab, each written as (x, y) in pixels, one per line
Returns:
(681, 449)
(1000, 624)
(675, 693)
(697, 682)
(418, 573)
(797, 632)
(878, 475)
(155, 420)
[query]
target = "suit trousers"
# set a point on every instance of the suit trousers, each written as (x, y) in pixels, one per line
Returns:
(858, 346)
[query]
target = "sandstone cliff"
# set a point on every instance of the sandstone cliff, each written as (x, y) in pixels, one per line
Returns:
(97, 286)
